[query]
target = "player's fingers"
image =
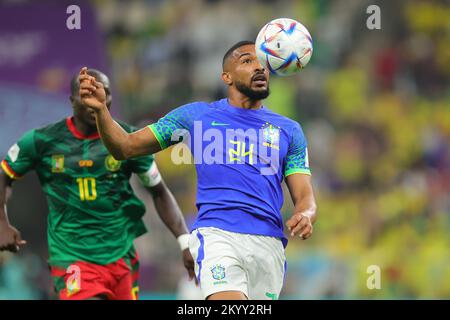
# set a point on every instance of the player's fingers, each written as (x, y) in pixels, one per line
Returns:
(83, 71)
(98, 85)
(307, 236)
(17, 236)
(85, 92)
(83, 78)
(92, 80)
(294, 221)
(86, 78)
(307, 232)
(298, 228)
(87, 85)
(18, 239)
(291, 223)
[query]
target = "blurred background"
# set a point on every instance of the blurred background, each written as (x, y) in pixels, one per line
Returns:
(374, 105)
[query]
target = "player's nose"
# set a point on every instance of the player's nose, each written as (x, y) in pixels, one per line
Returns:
(259, 67)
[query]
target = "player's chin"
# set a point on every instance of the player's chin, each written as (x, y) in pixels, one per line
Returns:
(260, 92)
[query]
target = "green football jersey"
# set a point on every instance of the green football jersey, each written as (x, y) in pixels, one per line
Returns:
(94, 215)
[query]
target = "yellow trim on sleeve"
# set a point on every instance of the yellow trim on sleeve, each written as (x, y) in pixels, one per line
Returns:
(9, 172)
(158, 137)
(293, 171)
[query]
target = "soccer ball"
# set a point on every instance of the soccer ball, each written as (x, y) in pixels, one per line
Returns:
(284, 46)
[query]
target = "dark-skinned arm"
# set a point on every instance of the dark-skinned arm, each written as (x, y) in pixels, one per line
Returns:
(170, 214)
(168, 209)
(10, 238)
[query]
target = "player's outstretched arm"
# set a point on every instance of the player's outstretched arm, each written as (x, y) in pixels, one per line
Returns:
(170, 213)
(10, 238)
(301, 222)
(121, 145)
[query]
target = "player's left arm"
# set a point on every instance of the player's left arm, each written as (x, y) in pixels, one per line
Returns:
(304, 216)
(167, 208)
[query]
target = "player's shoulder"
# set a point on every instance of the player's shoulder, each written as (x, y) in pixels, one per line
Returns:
(52, 129)
(39, 136)
(192, 111)
(195, 108)
(281, 121)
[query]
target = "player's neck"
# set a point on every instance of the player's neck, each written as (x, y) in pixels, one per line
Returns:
(242, 101)
(83, 127)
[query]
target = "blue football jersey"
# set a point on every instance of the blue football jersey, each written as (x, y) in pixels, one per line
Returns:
(241, 157)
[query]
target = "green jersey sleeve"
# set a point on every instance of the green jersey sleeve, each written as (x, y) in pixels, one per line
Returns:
(297, 156)
(141, 164)
(21, 157)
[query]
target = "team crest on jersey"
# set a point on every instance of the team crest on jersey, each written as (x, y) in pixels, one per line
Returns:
(271, 136)
(218, 272)
(112, 164)
(57, 163)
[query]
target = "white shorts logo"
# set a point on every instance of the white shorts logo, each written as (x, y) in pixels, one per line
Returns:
(218, 272)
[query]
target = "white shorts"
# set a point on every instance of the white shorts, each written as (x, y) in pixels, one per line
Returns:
(229, 261)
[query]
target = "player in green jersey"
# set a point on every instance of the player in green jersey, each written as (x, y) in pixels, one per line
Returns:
(94, 215)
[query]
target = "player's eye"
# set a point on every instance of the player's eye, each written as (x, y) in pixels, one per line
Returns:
(247, 60)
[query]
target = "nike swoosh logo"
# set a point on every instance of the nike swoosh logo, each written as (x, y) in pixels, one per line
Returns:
(214, 123)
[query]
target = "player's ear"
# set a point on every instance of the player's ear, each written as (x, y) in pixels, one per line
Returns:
(226, 77)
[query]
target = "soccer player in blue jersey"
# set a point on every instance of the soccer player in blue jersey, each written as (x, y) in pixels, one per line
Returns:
(242, 152)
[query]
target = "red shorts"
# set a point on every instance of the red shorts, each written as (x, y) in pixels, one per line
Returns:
(83, 280)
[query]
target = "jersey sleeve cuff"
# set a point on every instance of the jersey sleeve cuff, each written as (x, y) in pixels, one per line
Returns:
(293, 171)
(158, 136)
(8, 170)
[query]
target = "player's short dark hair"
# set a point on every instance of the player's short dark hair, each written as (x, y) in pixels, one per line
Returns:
(234, 47)
(74, 83)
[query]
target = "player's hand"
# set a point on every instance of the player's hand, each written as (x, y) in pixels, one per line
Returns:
(10, 239)
(189, 265)
(92, 92)
(300, 224)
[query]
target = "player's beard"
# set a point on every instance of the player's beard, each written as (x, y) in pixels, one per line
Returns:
(252, 94)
